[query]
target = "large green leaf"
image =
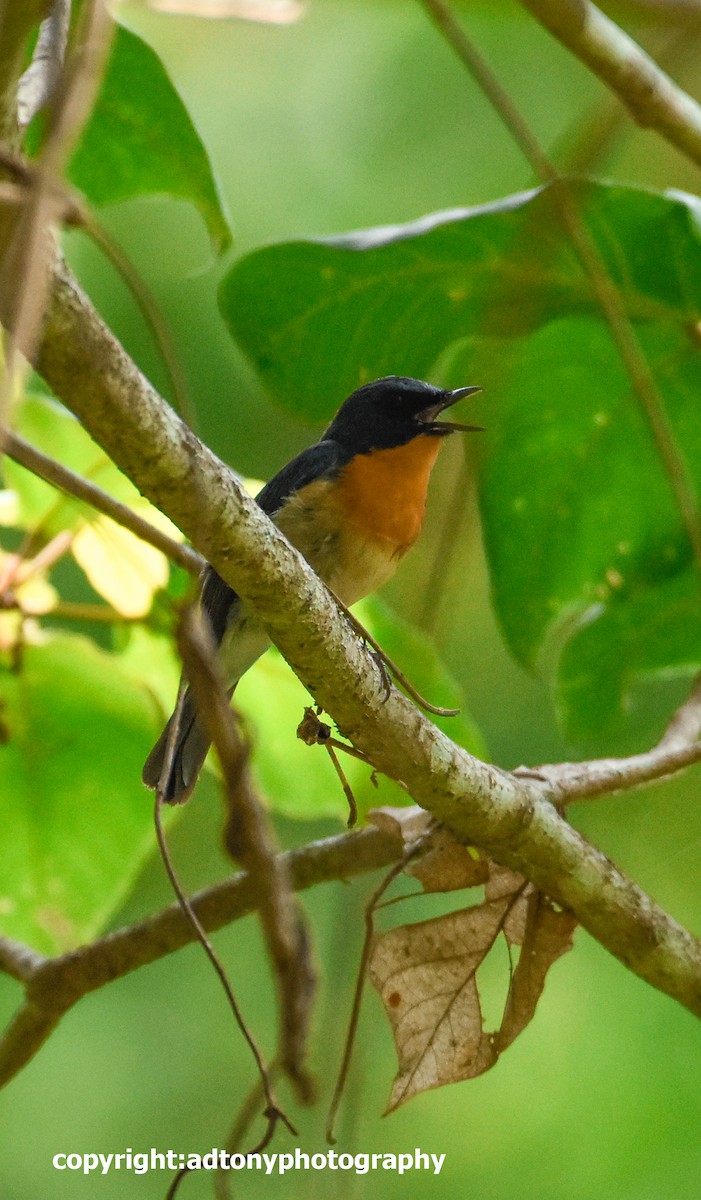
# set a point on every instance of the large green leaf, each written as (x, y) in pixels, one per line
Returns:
(76, 821)
(320, 317)
(582, 526)
(584, 535)
(141, 140)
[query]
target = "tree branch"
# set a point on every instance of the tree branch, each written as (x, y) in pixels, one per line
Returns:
(678, 748)
(53, 986)
(652, 98)
(512, 819)
(40, 80)
(89, 493)
(16, 24)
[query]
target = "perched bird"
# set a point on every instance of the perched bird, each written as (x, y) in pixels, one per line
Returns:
(352, 504)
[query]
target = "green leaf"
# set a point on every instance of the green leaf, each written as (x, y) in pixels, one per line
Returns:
(318, 318)
(141, 140)
(578, 510)
(76, 820)
(582, 527)
(653, 631)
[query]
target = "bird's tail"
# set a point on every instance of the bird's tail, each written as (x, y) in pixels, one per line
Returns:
(190, 746)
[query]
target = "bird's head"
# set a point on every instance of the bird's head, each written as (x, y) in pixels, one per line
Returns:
(393, 411)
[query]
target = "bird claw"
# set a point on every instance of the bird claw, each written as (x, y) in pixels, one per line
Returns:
(385, 676)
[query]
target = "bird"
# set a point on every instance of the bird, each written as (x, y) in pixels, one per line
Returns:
(353, 504)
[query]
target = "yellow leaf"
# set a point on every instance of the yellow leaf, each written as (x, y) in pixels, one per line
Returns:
(36, 596)
(122, 568)
(9, 507)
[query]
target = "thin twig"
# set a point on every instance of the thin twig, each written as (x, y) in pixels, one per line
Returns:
(273, 1112)
(370, 909)
(678, 748)
(89, 493)
(441, 561)
(244, 1117)
(147, 305)
(347, 789)
(250, 838)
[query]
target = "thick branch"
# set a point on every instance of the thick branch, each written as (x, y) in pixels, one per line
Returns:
(652, 98)
(513, 819)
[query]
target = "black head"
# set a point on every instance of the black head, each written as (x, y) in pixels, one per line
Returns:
(393, 411)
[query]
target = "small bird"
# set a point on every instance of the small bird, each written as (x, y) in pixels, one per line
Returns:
(352, 504)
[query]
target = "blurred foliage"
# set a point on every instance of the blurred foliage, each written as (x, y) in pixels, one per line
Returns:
(72, 841)
(360, 116)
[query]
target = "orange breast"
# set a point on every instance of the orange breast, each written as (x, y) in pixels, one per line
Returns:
(383, 493)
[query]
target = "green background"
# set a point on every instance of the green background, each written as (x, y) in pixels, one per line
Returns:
(359, 115)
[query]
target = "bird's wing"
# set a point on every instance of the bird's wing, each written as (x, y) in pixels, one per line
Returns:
(323, 460)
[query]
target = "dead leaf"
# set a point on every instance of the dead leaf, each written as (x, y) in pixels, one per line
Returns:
(447, 865)
(425, 974)
(409, 822)
(549, 934)
(505, 882)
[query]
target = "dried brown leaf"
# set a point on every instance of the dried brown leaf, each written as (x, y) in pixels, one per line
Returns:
(502, 883)
(443, 863)
(447, 865)
(548, 935)
(408, 822)
(425, 974)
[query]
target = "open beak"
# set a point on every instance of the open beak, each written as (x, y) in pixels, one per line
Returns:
(429, 415)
